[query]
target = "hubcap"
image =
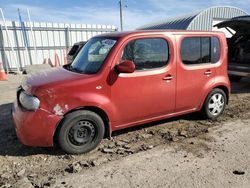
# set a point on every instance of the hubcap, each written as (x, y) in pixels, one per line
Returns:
(81, 133)
(216, 104)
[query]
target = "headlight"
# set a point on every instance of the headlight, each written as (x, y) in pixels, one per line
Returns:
(29, 102)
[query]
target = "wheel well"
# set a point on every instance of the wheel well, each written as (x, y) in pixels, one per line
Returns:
(97, 110)
(225, 89)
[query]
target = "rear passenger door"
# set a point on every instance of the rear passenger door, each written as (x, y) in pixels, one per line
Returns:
(195, 69)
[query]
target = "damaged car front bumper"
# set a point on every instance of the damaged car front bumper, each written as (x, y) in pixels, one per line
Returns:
(34, 128)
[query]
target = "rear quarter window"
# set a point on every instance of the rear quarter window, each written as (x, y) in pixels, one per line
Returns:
(200, 50)
(216, 49)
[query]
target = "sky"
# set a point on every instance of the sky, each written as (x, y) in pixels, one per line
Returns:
(135, 12)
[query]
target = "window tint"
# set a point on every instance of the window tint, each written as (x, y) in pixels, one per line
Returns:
(198, 50)
(146, 53)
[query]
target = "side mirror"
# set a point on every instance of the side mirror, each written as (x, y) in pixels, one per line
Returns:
(125, 66)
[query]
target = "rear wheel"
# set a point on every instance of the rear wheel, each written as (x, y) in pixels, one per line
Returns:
(81, 131)
(235, 78)
(215, 104)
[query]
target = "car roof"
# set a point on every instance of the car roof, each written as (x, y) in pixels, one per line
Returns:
(143, 32)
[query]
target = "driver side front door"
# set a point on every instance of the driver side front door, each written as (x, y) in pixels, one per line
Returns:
(149, 92)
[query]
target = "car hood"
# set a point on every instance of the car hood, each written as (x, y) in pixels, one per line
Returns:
(239, 24)
(49, 77)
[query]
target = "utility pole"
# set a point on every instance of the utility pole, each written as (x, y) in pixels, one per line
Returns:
(121, 5)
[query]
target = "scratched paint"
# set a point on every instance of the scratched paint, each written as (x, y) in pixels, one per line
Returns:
(58, 110)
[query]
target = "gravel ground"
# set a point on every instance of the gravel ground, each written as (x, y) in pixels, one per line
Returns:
(220, 158)
(23, 166)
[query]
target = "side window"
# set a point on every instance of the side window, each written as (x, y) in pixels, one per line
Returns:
(198, 50)
(205, 50)
(190, 50)
(215, 49)
(147, 53)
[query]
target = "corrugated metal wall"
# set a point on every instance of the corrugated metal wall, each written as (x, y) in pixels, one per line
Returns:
(49, 38)
(199, 20)
(204, 20)
(181, 22)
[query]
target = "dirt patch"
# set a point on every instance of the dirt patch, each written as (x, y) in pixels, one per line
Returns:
(39, 167)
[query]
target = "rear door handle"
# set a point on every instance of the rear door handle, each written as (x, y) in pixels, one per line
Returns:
(208, 72)
(168, 78)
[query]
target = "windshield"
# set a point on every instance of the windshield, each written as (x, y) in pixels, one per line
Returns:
(92, 55)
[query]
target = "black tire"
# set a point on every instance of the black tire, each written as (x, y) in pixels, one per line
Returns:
(234, 78)
(207, 110)
(80, 132)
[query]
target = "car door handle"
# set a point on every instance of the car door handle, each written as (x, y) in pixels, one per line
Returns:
(168, 78)
(208, 72)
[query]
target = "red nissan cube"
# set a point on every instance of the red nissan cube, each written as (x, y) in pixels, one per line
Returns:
(119, 80)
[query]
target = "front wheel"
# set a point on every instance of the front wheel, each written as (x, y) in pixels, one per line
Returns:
(215, 104)
(80, 132)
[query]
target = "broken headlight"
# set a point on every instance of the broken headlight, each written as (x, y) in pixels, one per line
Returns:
(29, 102)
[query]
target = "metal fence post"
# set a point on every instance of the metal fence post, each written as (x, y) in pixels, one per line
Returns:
(67, 38)
(3, 53)
(8, 38)
(17, 43)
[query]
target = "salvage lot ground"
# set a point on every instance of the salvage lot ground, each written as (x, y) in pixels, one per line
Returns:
(41, 167)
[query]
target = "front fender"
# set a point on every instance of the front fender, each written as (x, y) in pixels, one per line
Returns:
(63, 104)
